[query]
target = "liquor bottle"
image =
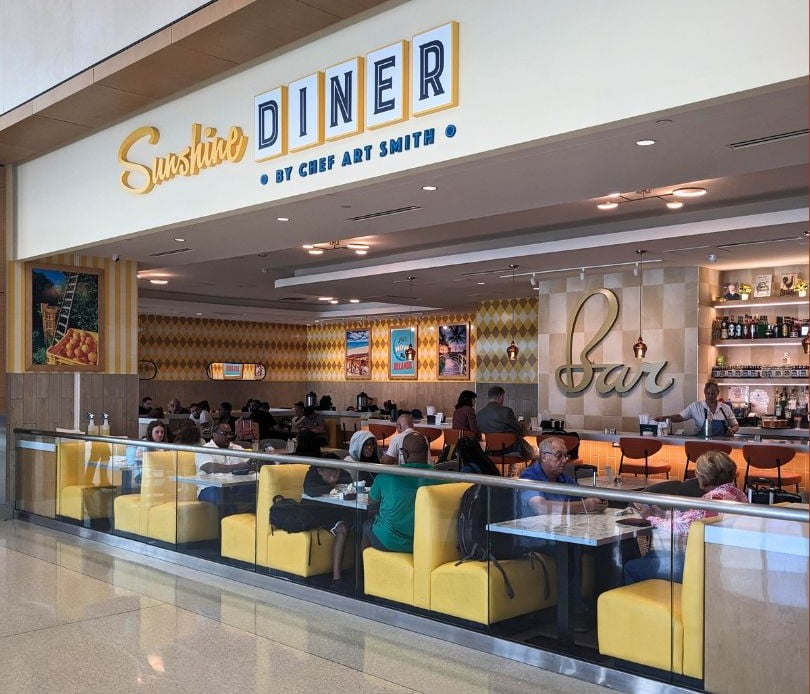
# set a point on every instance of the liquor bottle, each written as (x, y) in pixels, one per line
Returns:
(732, 328)
(724, 329)
(785, 327)
(762, 328)
(740, 327)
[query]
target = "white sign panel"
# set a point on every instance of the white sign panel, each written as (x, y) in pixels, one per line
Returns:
(344, 99)
(270, 138)
(387, 85)
(306, 115)
(434, 70)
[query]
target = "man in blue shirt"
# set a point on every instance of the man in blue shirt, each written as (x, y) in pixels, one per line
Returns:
(550, 467)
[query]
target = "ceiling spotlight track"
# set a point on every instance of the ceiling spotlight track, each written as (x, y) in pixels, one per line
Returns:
(613, 200)
(356, 247)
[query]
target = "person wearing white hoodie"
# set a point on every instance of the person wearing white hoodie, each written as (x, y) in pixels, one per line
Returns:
(363, 448)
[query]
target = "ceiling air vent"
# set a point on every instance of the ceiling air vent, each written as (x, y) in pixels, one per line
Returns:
(291, 298)
(768, 139)
(171, 252)
(386, 213)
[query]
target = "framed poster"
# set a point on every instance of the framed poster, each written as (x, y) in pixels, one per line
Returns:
(63, 310)
(454, 352)
(357, 364)
(788, 280)
(762, 286)
(399, 342)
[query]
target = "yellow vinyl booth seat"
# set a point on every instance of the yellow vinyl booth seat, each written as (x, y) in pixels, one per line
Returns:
(307, 553)
(658, 623)
(166, 510)
(430, 579)
(83, 491)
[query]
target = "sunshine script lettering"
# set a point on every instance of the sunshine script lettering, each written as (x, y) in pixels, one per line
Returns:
(574, 378)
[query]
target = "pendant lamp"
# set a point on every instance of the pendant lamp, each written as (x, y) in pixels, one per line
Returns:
(640, 347)
(512, 350)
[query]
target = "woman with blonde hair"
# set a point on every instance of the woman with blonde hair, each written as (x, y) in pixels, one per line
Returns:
(716, 473)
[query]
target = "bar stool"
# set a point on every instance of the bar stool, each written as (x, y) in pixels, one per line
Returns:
(382, 432)
(452, 436)
(638, 449)
(766, 458)
(432, 434)
(504, 445)
(695, 449)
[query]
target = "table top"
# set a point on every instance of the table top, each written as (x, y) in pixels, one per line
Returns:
(360, 502)
(115, 462)
(218, 479)
(630, 483)
(591, 529)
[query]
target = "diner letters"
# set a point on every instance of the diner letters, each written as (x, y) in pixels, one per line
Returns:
(613, 377)
(200, 154)
(360, 94)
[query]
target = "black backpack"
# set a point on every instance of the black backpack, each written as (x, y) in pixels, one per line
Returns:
(761, 490)
(472, 459)
(481, 505)
(296, 516)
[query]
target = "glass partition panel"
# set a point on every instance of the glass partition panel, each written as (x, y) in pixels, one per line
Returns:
(36, 474)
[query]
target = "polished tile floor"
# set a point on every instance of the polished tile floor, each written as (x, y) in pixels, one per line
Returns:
(76, 616)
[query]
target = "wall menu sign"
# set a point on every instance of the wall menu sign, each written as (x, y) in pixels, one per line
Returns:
(360, 94)
(613, 377)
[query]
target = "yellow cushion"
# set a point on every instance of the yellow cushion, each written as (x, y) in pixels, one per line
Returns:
(692, 606)
(307, 553)
(239, 537)
(389, 575)
(642, 623)
(287, 480)
(130, 514)
(183, 521)
(82, 502)
(475, 590)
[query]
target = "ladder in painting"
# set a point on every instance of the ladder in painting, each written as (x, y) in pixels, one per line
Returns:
(66, 305)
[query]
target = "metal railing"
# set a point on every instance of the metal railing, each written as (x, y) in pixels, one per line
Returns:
(678, 502)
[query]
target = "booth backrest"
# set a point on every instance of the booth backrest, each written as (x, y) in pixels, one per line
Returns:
(187, 465)
(157, 478)
(287, 480)
(692, 599)
(70, 466)
(435, 539)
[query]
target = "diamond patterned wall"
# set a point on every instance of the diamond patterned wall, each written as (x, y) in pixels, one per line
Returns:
(182, 348)
(494, 330)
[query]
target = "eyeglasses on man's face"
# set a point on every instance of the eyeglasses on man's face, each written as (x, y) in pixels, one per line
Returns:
(559, 455)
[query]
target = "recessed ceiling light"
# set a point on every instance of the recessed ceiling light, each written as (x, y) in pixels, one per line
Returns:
(430, 188)
(307, 246)
(608, 205)
(674, 204)
(361, 252)
(357, 246)
(480, 282)
(325, 298)
(333, 301)
(159, 281)
(282, 219)
(315, 251)
(199, 313)
(689, 192)
(354, 301)
(645, 143)
(179, 240)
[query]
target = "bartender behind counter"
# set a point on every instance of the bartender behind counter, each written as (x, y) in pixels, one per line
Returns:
(720, 414)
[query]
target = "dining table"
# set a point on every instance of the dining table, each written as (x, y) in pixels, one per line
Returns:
(569, 533)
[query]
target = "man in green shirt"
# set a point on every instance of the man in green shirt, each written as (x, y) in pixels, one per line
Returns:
(391, 530)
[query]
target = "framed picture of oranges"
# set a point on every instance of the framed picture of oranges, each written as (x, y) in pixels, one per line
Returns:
(63, 313)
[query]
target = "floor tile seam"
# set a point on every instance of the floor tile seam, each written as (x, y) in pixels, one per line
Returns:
(86, 575)
(82, 621)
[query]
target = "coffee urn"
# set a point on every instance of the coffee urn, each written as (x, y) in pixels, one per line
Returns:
(362, 402)
(311, 400)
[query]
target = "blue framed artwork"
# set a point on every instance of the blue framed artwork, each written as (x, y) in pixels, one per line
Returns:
(402, 353)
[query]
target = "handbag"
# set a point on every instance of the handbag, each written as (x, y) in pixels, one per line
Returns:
(762, 491)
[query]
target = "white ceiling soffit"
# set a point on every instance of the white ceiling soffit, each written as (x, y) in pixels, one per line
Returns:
(557, 246)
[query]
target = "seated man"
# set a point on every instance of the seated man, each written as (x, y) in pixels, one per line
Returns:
(240, 497)
(391, 529)
(307, 419)
(404, 426)
(496, 418)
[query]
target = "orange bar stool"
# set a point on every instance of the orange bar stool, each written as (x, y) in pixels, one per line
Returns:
(382, 432)
(695, 449)
(768, 461)
(452, 436)
(432, 435)
(504, 446)
(641, 448)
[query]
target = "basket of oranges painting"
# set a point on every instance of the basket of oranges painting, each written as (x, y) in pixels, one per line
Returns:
(76, 348)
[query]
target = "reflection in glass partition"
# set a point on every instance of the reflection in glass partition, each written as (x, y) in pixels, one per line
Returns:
(233, 371)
